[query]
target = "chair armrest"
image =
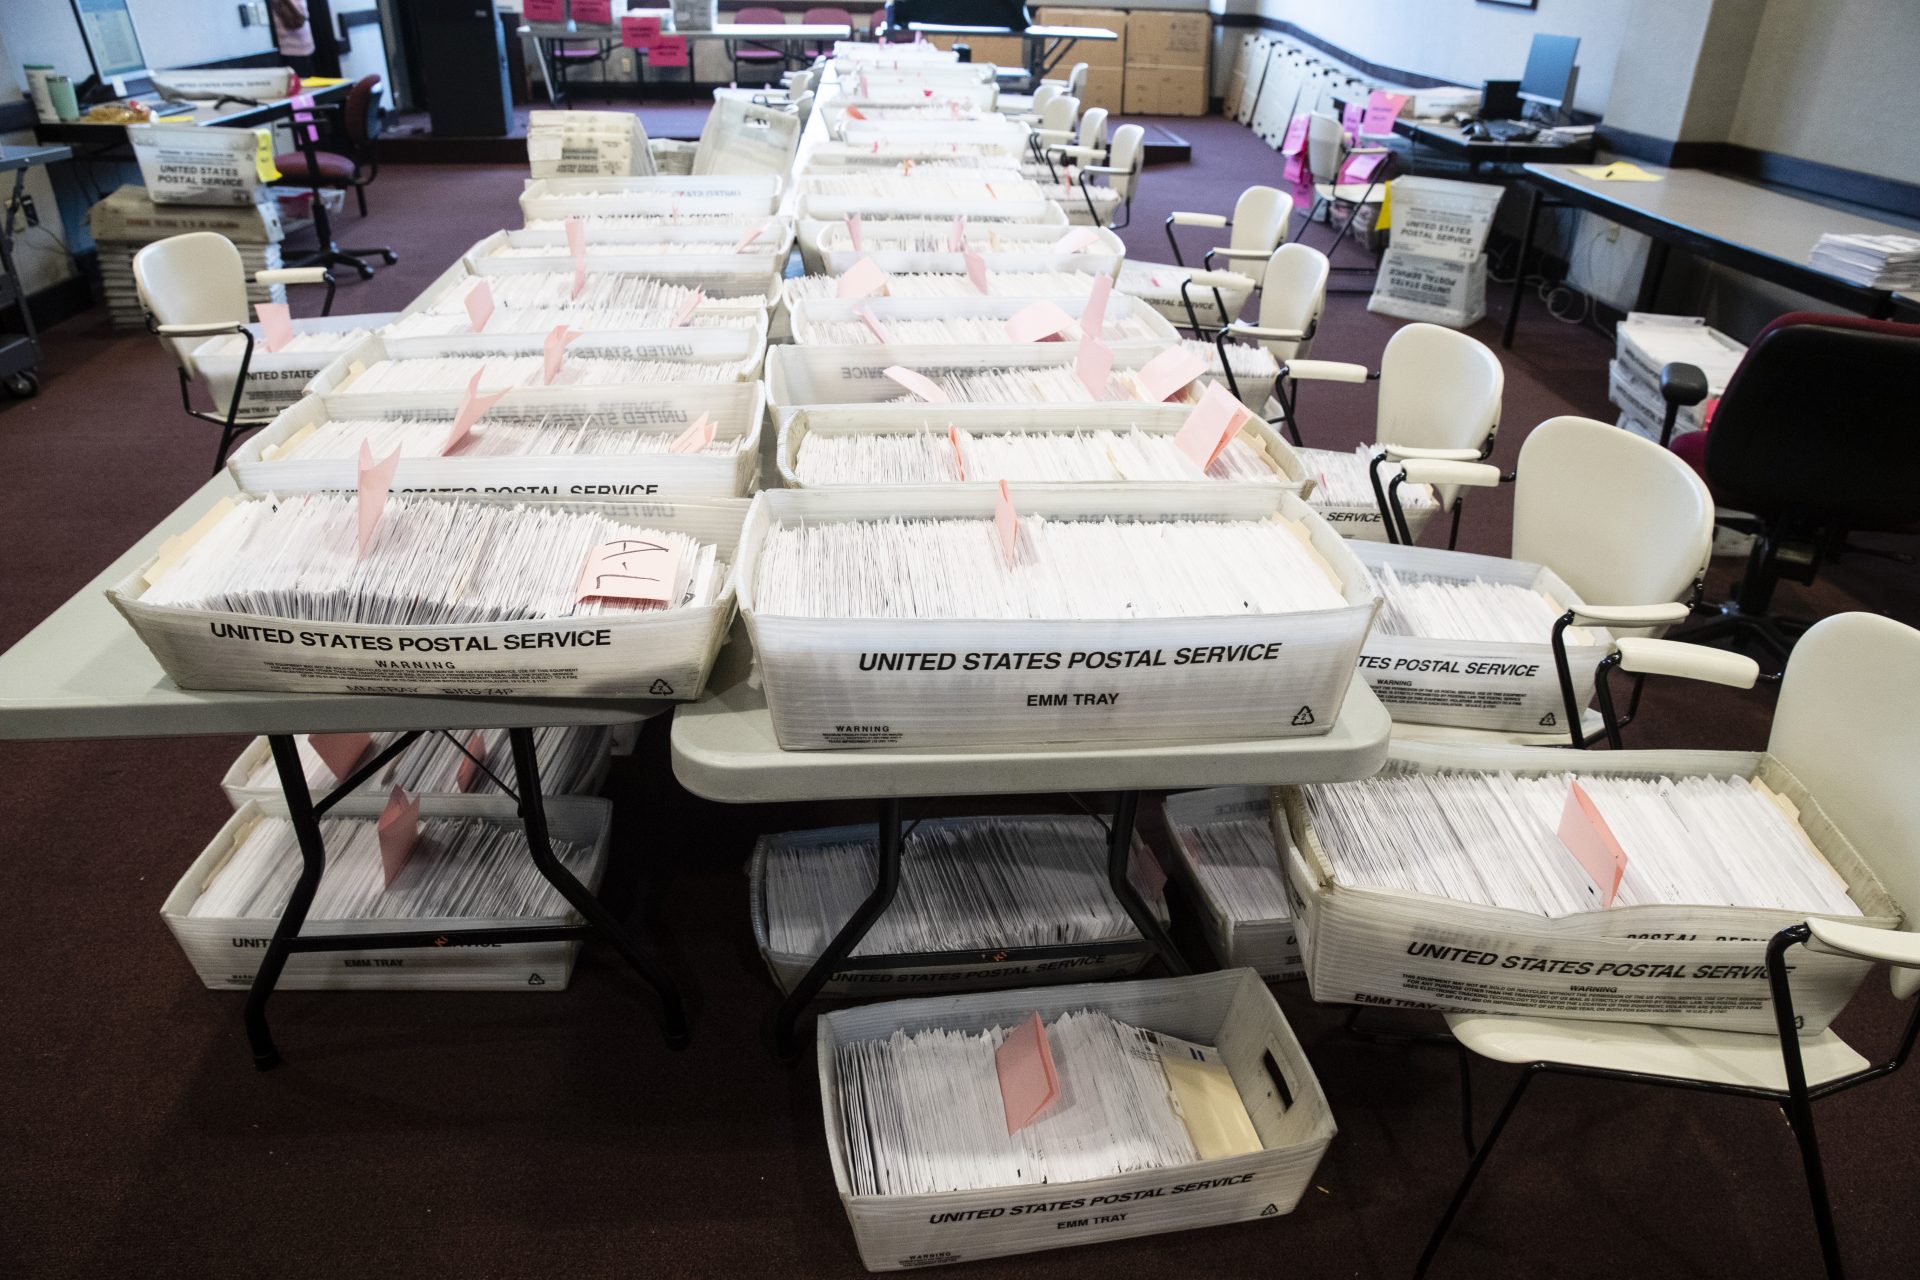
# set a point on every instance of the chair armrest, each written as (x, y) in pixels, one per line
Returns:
(1182, 219)
(1683, 384)
(291, 275)
(1328, 371)
(1643, 656)
(1054, 137)
(1103, 168)
(1260, 333)
(1223, 280)
(1369, 151)
(1226, 252)
(1077, 152)
(1402, 452)
(1632, 615)
(1479, 475)
(197, 330)
(1887, 946)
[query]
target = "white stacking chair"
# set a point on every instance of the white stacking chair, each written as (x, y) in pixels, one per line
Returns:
(1626, 524)
(1258, 227)
(1027, 112)
(194, 287)
(1089, 144)
(1122, 172)
(1848, 727)
(1328, 150)
(1054, 127)
(1075, 83)
(1293, 297)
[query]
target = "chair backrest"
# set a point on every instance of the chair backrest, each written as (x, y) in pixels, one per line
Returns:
(1077, 80)
(1848, 726)
(755, 15)
(1043, 95)
(1129, 140)
(362, 115)
(1093, 128)
(826, 14)
(1260, 219)
(1816, 424)
(197, 278)
(1326, 145)
(1438, 389)
(1620, 519)
(803, 106)
(1293, 295)
(1059, 114)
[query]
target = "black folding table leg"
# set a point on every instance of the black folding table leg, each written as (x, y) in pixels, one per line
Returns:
(313, 861)
(1473, 1172)
(533, 813)
(1119, 858)
(1520, 266)
(851, 934)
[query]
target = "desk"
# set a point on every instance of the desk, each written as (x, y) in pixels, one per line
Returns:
(1451, 140)
(1750, 228)
(229, 115)
(19, 353)
(1045, 46)
(83, 673)
(724, 750)
(542, 33)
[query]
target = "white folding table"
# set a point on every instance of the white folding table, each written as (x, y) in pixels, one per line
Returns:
(724, 750)
(83, 673)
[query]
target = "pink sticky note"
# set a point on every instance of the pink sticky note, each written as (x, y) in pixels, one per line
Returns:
(637, 31)
(544, 10)
(469, 771)
(376, 482)
(1028, 1080)
(1007, 522)
(1361, 168)
(926, 93)
(1296, 140)
(554, 349)
(918, 383)
(1382, 109)
(1352, 116)
(399, 830)
(597, 13)
(1591, 842)
(667, 51)
(873, 324)
(863, 279)
(630, 569)
(479, 302)
(1209, 426)
(683, 314)
(855, 113)
(976, 269)
(276, 324)
(301, 105)
(747, 239)
(1092, 364)
(577, 247)
(697, 436)
(1167, 374)
(866, 90)
(853, 227)
(1093, 316)
(473, 406)
(957, 234)
(340, 752)
(959, 458)
(1037, 321)
(1076, 240)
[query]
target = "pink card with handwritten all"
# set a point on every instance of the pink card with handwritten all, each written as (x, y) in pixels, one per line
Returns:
(630, 569)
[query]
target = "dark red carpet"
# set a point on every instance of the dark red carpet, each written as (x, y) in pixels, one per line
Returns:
(519, 1135)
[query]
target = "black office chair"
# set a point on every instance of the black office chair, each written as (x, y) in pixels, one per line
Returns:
(1814, 437)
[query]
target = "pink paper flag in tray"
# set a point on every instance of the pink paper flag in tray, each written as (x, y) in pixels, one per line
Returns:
(873, 325)
(1167, 374)
(1592, 843)
(399, 831)
(853, 224)
(469, 771)
(1092, 364)
(863, 279)
(976, 269)
(276, 324)
(340, 752)
(473, 406)
(918, 383)
(1037, 322)
(683, 314)
(1006, 522)
(553, 350)
(376, 482)
(1093, 316)
(577, 248)
(697, 436)
(1076, 240)
(1029, 1082)
(959, 458)
(479, 302)
(1209, 426)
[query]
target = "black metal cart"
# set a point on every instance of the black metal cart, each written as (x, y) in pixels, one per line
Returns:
(19, 352)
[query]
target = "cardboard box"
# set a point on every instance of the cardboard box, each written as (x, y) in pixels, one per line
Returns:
(1097, 54)
(1001, 51)
(1683, 966)
(1167, 38)
(1166, 91)
(1232, 1011)
(1105, 88)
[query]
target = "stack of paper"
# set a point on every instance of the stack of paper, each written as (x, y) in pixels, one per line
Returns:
(1496, 839)
(930, 1111)
(570, 757)
(561, 433)
(1223, 840)
(1059, 384)
(587, 143)
(455, 373)
(963, 331)
(1873, 262)
(601, 291)
(459, 868)
(922, 457)
(1000, 284)
(585, 319)
(967, 884)
(328, 342)
(1437, 608)
(127, 221)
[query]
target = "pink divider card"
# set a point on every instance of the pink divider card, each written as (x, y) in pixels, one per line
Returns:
(1592, 843)
(554, 349)
(683, 314)
(1093, 316)
(596, 13)
(747, 239)
(340, 752)
(873, 325)
(544, 10)
(1383, 109)
(1029, 1082)
(1296, 140)
(697, 436)
(1148, 873)
(959, 459)
(918, 383)
(630, 569)
(1092, 364)
(957, 235)
(577, 248)
(855, 113)
(976, 269)
(469, 771)
(1037, 322)
(1006, 522)
(863, 279)
(276, 324)
(301, 105)
(399, 831)
(1208, 428)
(667, 51)
(638, 30)
(479, 302)
(1076, 240)
(1167, 374)
(1361, 168)
(376, 482)
(1352, 116)
(473, 406)
(853, 224)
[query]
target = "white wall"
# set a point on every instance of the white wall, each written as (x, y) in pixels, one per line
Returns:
(1832, 80)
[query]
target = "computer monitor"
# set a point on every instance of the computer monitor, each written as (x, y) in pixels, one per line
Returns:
(112, 43)
(1550, 72)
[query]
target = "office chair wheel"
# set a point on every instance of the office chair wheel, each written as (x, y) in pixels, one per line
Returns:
(24, 385)
(390, 256)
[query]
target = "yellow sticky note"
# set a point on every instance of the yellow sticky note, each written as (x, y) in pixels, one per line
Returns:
(263, 155)
(1385, 218)
(320, 82)
(1619, 171)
